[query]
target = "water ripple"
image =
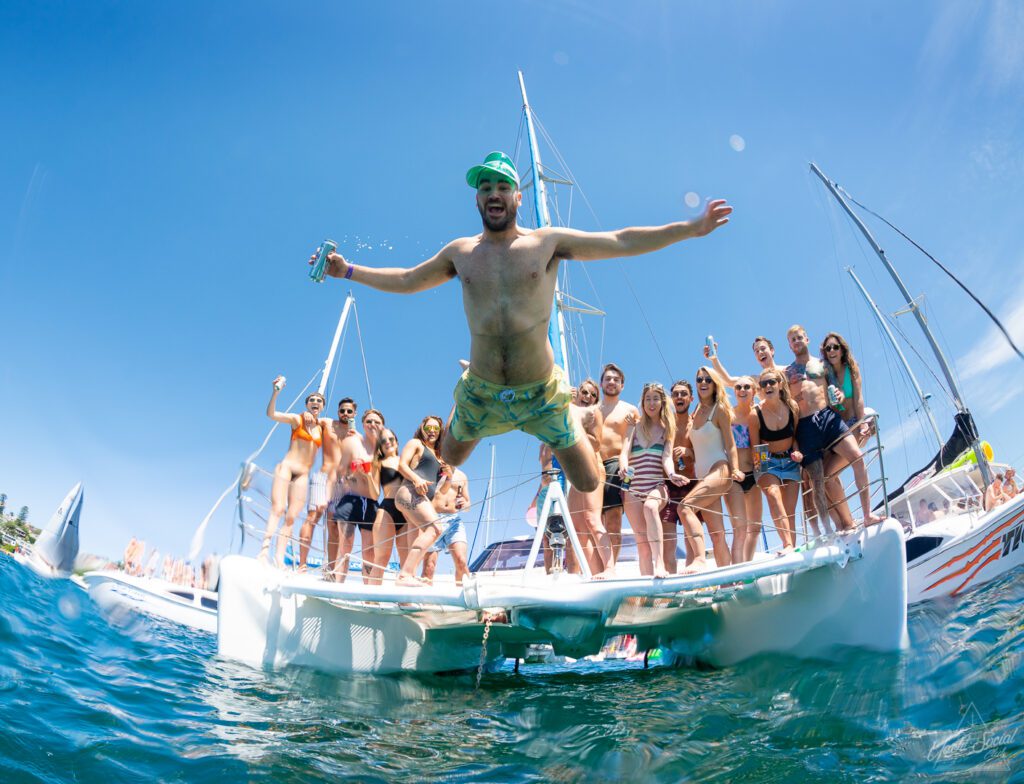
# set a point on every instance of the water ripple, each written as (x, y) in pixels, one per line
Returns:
(84, 699)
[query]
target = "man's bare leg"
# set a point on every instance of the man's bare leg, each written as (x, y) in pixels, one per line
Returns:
(848, 451)
(429, 567)
(816, 473)
(306, 534)
(612, 518)
(577, 462)
(347, 540)
(459, 553)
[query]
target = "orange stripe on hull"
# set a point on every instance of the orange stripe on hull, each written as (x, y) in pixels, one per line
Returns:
(983, 565)
(983, 543)
(970, 564)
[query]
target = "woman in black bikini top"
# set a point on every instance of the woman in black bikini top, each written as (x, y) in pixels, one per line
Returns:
(389, 527)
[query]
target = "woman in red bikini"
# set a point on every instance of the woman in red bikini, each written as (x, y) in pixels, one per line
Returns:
(288, 493)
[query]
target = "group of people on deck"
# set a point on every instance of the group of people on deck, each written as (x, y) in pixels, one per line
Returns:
(670, 461)
(792, 426)
(399, 497)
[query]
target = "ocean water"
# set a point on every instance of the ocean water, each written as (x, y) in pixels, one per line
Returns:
(82, 699)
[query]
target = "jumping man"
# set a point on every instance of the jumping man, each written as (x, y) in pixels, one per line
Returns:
(508, 278)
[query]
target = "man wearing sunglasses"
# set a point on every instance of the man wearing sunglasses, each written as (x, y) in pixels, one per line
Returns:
(357, 505)
(821, 430)
(682, 456)
(508, 277)
(618, 416)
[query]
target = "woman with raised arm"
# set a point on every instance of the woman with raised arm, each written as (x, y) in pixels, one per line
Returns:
(844, 374)
(774, 423)
(420, 468)
(389, 528)
(744, 498)
(585, 508)
(646, 462)
(716, 463)
(291, 482)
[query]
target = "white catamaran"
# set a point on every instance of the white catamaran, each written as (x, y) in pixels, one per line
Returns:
(849, 591)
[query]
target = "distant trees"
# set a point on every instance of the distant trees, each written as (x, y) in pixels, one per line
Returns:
(3, 503)
(23, 515)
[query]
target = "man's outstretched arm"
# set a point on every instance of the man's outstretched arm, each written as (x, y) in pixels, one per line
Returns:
(427, 275)
(590, 246)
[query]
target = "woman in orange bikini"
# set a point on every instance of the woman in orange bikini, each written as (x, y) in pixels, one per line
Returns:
(288, 493)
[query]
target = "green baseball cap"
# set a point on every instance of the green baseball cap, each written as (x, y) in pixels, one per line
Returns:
(497, 163)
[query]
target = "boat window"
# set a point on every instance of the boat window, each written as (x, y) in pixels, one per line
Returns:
(919, 545)
(183, 594)
(207, 602)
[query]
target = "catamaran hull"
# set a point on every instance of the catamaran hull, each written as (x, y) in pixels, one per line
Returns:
(981, 554)
(117, 593)
(807, 604)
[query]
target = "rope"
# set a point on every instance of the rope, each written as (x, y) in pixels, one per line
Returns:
(362, 351)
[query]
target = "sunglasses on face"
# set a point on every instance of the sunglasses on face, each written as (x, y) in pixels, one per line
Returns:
(739, 387)
(346, 411)
(769, 382)
(389, 440)
(681, 393)
(703, 379)
(315, 400)
(431, 429)
(833, 347)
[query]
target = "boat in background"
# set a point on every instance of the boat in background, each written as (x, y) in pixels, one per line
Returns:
(117, 593)
(957, 545)
(55, 551)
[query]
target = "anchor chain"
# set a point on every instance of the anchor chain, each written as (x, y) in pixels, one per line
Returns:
(483, 652)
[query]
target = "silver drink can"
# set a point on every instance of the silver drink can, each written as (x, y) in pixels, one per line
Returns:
(833, 395)
(628, 480)
(320, 265)
(710, 343)
(279, 385)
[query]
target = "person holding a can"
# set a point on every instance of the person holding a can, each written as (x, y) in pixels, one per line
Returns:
(291, 475)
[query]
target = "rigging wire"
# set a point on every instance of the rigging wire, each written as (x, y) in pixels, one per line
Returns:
(943, 267)
(362, 352)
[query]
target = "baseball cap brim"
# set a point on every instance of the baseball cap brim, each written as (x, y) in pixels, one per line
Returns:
(474, 175)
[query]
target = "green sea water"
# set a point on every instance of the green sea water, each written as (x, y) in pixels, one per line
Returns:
(86, 700)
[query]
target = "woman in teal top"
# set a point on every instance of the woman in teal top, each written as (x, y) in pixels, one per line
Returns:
(844, 374)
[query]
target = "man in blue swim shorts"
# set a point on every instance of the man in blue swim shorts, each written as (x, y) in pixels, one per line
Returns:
(508, 277)
(821, 430)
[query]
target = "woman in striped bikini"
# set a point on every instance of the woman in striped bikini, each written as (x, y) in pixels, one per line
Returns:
(647, 450)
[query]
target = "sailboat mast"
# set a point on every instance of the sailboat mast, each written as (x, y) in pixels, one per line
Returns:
(947, 371)
(556, 328)
(899, 352)
(329, 362)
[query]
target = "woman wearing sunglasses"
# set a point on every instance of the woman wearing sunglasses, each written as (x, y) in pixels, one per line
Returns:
(744, 497)
(646, 458)
(585, 508)
(774, 424)
(717, 467)
(844, 375)
(291, 483)
(389, 527)
(420, 468)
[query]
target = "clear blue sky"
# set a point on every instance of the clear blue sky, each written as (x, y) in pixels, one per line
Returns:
(168, 168)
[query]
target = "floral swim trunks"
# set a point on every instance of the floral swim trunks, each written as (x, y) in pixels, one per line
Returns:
(541, 409)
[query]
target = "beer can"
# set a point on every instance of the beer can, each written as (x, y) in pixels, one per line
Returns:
(710, 343)
(760, 456)
(833, 395)
(279, 385)
(628, 480)
(320, 265)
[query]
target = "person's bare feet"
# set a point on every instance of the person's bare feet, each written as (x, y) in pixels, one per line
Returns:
(409, 581)
(873, 519)
(660, 574)
(696, 567)
(786, 550)
(607, 574)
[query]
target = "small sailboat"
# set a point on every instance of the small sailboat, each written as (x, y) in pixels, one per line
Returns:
(55, 551)
(953, 544)
(117, 592)
(849, 591)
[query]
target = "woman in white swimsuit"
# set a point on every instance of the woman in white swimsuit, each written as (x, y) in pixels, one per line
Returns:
(716, 463)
